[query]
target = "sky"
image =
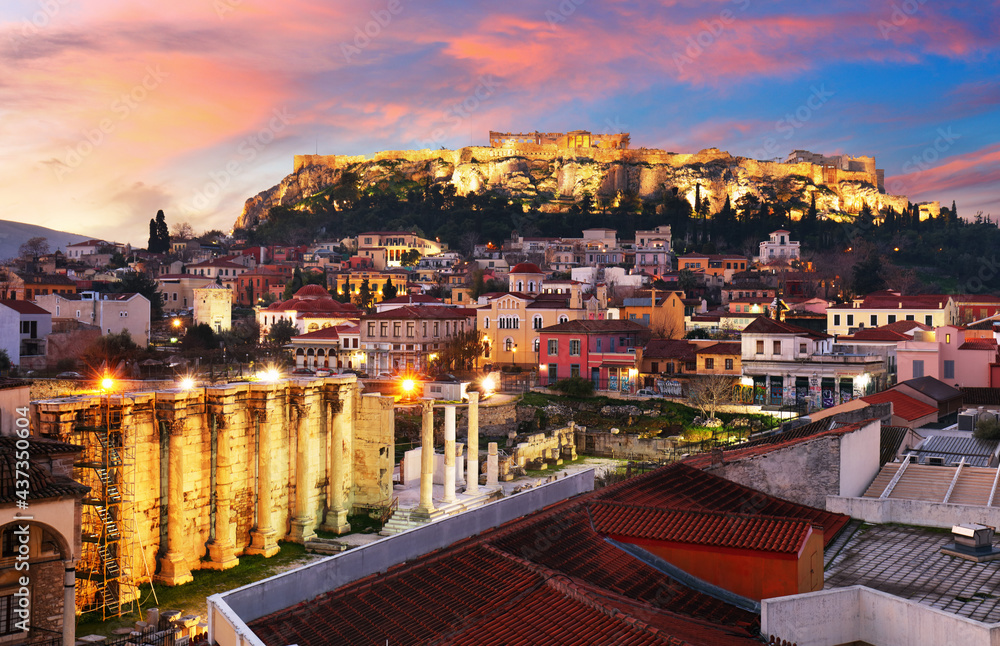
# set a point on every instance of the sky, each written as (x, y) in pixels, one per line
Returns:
(113, 109)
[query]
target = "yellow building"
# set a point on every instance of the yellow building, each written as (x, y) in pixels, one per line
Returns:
(662, 313)
(350, 281)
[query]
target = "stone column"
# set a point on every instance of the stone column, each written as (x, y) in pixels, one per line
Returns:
(69, 604)
(472, 470)
(426, 505)
(173, 567)
(221, 551)
(492, 466)
(262, 538)
(336, 515)
(449, 454)
(302, 524)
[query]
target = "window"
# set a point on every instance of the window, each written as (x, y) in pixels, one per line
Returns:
(802, 348)
(892, 318)
(574, 347)
(535, 344)
(384, 330)
(396, 327)
(508, 344)
(760, 347)
(949, 369)
(409, 329)
(553, 347)
(850, 320)
(435, 328)
(486, 324)
(709, 363)
(873, 320)
(928, 320)
(918, 368)
(910, 317)
(729, 364)
(553, 373)
(836, 319)
(563, 318)
(947, 338)
(574, 370)
(536, 322)
(655, 367)
(776, 348)
(598, 346)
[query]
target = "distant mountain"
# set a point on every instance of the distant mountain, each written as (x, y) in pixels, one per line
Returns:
(14, 234)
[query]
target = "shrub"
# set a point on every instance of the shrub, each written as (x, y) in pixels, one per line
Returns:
(575, 387)
(987, 428)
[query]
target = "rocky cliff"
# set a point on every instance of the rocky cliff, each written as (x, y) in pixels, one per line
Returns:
(553, 179)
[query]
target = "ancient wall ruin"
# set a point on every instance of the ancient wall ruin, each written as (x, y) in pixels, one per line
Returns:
(211, 473)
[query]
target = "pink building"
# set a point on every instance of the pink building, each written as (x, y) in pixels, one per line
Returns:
(602, 351)
(946, 354)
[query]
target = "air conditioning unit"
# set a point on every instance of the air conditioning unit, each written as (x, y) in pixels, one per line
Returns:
(967, 420)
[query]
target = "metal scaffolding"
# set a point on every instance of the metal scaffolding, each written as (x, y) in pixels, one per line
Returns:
(107, 464)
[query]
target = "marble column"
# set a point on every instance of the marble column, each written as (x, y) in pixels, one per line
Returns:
(492, 466)
(472, 470)
(336, 515)
(173, 567)
(221, 550)
(426, 505)
(262, 538)
(302, 524)
(69, 603)
(449, 454)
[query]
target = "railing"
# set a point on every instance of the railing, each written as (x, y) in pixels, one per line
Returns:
(388, 511)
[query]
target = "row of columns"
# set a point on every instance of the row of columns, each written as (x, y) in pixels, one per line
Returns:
(263, 411)
(426, 505)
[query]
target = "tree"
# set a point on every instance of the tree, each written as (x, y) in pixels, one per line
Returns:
(5, 362)
(867, 275)
(709, 392)
(389, 290)
(365, 298)
(183, 231)
(410, 258)
(200, 337)
(575, 387)
(282, 332)
(477, 285)
(987, 428)
(137, 282)
(463, 349)
(159, 234)
(111, 350)
(34, 247)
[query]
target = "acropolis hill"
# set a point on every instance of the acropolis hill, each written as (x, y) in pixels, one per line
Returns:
(556, 169)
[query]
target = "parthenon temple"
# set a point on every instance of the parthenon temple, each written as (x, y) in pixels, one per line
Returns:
(572, 139)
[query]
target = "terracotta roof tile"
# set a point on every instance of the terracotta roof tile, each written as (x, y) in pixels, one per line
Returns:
(716, 529)
(979, 344)
(903, 405)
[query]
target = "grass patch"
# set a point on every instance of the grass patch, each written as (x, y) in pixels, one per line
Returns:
(190, 597)
(541, 473)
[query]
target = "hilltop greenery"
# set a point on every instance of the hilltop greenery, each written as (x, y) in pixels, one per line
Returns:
(943, 254)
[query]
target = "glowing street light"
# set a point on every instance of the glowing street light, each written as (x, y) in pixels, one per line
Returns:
(107, 383)
(408, 386)
(187, 383)
(489, 384)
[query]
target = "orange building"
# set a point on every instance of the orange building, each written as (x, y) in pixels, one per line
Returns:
(757, 557)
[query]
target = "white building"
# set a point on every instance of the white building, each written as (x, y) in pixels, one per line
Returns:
(779, 247)
(24, 327)
(213, 304)
(113, 313)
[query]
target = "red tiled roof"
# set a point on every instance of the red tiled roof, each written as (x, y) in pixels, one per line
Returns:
(764, 325)
(606, 326)
(902, 404)
(412, 298)
(218, 262)
(685, 486)
(717, 529)
(23, 307)
(422, 312)
(334, 332)
(526, 268)
(888, 300)
(877, 334)
(726, 347)
(979, 344)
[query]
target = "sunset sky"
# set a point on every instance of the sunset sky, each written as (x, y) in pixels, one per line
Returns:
(112, 109)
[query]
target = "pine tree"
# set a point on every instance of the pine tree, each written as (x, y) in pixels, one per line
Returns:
(153, 245)
(389, 290)
(953, 215)
(162, 233)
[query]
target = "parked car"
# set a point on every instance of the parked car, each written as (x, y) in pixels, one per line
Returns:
(383, 375)
(323, 372)
(69, 375)
(646, 392)
(303, 371)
